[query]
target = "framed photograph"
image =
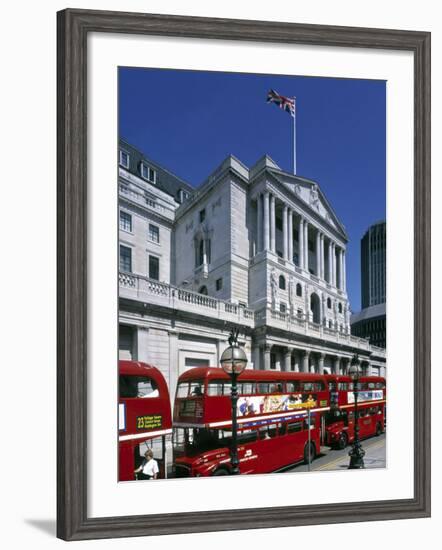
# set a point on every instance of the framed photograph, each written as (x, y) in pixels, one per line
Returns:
(240, 205)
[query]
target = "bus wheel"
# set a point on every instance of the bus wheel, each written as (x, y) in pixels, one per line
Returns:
(220, 472)
(312, 453)
(342, 441)
(378, 429)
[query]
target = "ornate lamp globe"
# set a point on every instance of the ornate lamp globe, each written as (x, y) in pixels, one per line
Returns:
(233, 359)
(355, 369)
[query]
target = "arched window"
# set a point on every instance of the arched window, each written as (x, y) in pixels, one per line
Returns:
(329, 303)
(340, 307)
(298, 290)
(315, 308)
(203, 290)
(282, 282)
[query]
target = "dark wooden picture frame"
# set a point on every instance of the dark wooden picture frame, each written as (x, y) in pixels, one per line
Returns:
(73, 29)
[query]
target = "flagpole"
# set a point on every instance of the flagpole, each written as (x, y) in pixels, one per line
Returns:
(294, 135)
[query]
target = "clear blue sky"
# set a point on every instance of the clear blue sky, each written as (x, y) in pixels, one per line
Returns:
(190, 121)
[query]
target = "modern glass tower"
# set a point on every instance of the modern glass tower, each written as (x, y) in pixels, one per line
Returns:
(373, 265)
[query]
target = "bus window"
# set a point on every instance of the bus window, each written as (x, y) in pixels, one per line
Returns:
(294, 427)
(137, 386)
(276, 388)
(267, 432)
(182, 389)
(307, 386)
(246, 388)
(215, 388)
(263, 387)
(292, 386)
(312, 422)
(282, 429)
(196, 388)
(272, 431)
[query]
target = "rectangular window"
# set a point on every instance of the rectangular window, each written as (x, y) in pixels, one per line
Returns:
(125, 221)
(219, 284)
(124, 159)
(125, 259)
(154, 268)
(282, 307)
(294, 427)
(263, 387)
(292, 386)
(148, 173)
(202, 215)
(154, 233)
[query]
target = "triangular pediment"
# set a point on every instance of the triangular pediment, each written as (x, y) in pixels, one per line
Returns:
(310, 193)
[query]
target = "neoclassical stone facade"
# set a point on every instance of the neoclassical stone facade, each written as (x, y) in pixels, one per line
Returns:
(257, 248)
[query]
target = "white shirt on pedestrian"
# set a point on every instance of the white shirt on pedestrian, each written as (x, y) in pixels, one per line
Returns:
(151, 468)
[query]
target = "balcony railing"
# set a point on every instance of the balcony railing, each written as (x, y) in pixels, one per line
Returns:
(137, 287)
(147, 290)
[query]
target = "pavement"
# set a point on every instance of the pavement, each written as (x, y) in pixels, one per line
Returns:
(330, 459)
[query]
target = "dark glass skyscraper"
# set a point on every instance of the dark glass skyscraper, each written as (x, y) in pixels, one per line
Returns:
(370, 322)
(373, 265)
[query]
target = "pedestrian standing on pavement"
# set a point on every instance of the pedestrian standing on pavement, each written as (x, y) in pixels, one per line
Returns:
(148, 468)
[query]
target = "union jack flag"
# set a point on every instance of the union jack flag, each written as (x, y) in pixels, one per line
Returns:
(285, 103)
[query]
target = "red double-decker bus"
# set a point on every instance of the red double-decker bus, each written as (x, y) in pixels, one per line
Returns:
(340, 419)
(273, 410)
(144, 417)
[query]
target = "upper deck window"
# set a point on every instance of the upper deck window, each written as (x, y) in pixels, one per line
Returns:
(190, 389)
(137, 386)
(224, 387)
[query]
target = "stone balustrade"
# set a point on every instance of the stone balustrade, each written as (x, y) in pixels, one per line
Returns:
(140, 288)
(137, 287)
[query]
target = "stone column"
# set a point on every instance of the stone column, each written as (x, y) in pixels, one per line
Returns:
(272, 224)
(333, 264)
(301, 243)
(336, 365)
(255, 357)
(290, 236)
(330, 262)
(173, 361)
(266, 243)
(285, 243)
(142, 344)
(259, 223)
(321, 254)
(306, 245)
(321, 363)
(318, 254)
(288, 359)
(344, 274)
(340, 267)
(267, 349)
(306, 361)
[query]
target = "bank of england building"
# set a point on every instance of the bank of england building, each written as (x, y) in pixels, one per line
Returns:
(255, 248)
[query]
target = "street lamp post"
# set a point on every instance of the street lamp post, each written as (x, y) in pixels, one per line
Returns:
(356, 453)
(233, 362)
